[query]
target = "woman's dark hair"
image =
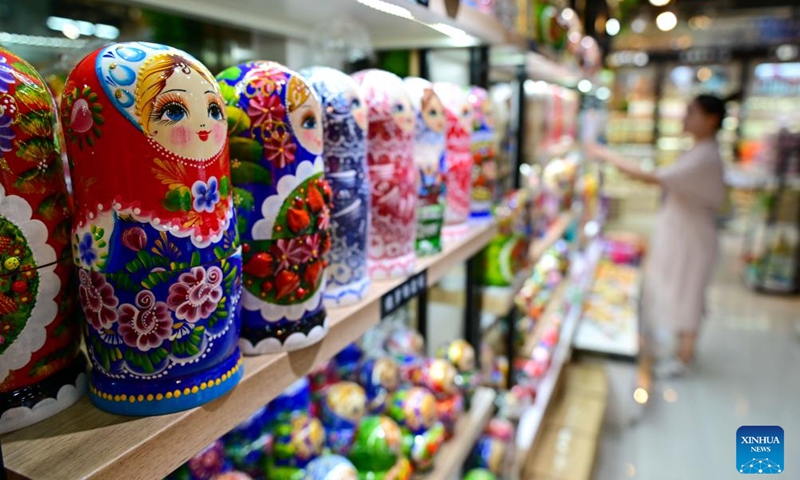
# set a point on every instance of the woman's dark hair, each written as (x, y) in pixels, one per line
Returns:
(712, 105)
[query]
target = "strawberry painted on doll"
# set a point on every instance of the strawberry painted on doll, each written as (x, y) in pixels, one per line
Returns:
(154, 238)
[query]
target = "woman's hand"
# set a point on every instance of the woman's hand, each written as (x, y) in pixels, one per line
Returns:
(596, 152)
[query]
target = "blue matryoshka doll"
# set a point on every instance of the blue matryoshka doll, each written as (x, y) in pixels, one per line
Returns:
(380, 377)
(342, 409)
(247, 446)
(283, 203)
(430, 160)
(344, 117)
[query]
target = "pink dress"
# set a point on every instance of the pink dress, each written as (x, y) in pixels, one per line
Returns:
(684, 246)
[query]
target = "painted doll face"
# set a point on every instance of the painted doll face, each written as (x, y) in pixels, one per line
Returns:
(358, 108)
(306, 121)
(387, 374)
(342, 472)
(428, 410)
(465, 117)
(433, 111)
(188, 116)
(308, 436)
(391, 434)
(347, 400)
(402, 113)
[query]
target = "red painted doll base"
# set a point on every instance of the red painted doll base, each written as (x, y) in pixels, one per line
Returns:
(392, 267)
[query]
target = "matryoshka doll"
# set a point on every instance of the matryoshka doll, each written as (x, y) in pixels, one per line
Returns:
(414, 410)
(343, 408)
(154, 237)
(380, 377)
(459, 159)
(439, 376)
(377, 450)
(393, 179)
(429, 158)
(296, 444)
(344, 118)
(484, 151)
(406, 346)
(283, 204)
(331, 467)
(247, 446)
(206, 465)
(39, 323)
(462, 355)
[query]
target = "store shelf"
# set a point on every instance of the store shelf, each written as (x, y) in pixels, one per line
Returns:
(554, 233)
(452, 455)
(556, 299)
(390, 23)
(531, 420)
(84, 442)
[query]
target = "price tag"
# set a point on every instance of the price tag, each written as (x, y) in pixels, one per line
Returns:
(400, 295)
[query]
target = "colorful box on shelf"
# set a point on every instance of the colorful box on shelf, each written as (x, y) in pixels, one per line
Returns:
(154, 238)
(283, 204)
(484, 151)
(41, 368)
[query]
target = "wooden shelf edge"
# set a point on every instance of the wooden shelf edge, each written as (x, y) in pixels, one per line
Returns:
(85, 442)
(453, 453)
(555, 232)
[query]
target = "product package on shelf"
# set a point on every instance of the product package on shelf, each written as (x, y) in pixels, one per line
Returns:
(459, 115)
(430, 160)
(390, 159)
(484, 152)
(282, 202)
(508, 253)
(154, 237)
(41, 368)
(345, 152)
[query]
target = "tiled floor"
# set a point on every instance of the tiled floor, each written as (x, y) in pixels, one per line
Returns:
(747, 373)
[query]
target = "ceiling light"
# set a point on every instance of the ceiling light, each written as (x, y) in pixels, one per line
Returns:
(106, 31)
(612, 26)
(638, 25)
(705, 74)
(640, 59)
(587, 42)
(786, 52)
(387, 7)
(659, 3)
(666, 21)
(603, 93)
(585, 86)
(568, 14)
(71, 31)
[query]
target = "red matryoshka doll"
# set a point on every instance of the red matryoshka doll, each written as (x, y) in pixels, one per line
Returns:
(283, 204)
(430, 160)
(154, 238)
(459, 159)
(39, 327)
(484, 150)
(390, 159)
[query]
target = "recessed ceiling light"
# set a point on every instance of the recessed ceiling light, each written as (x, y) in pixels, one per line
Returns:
(638, 25)
(666, 21)
(659, 3)
(612, 26)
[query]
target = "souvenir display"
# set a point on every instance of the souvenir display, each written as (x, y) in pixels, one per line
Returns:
(489, 453)
(344, 122)
(377, 450)
(380, 377)
(343, 408)
(41, 367)
(462, 355)
(154, 237)
(282, 202)
(406, 346)
(346, 362)
(430, 160)
(331, 467)
(484, 151)
(414, 410)
(206, 465)
(390, 158)
(459, 159)
(479, 474)
(292, 402)
(508, 252)
(439, 376)
(296, 443)
(248, 445)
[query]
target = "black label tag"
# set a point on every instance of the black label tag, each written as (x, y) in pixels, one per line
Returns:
(400, 295)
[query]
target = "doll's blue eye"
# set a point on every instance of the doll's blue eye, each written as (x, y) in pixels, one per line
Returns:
(355, 104)
(310, 122)
(174, 112)
(214, 112)
(399, 108)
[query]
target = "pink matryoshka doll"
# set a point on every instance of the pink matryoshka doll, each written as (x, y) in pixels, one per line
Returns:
(154, 237)
(484, 150)
(459, 159)
(390, 159)
(430, 160)
(283, 204)
(40, 363)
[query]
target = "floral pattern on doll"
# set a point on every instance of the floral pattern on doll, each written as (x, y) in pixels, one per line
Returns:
(459, 156)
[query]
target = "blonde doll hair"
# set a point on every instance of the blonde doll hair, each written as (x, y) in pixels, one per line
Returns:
(152, 78)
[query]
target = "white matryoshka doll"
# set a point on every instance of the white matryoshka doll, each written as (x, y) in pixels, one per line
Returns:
(459, 159)
(41, 369)
(390, 156)
(484, 151)
(344, 118)
(154, 238)
(430, 160)
(282, 202)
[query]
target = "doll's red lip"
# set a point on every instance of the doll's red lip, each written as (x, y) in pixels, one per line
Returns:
(203, 134)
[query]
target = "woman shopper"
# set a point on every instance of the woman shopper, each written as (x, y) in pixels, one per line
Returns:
(684, 245)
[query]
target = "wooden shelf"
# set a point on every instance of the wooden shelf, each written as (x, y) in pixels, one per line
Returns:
(84, 442)
(553, 304)
(453, 453)
(391, 24)
(554, 233)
